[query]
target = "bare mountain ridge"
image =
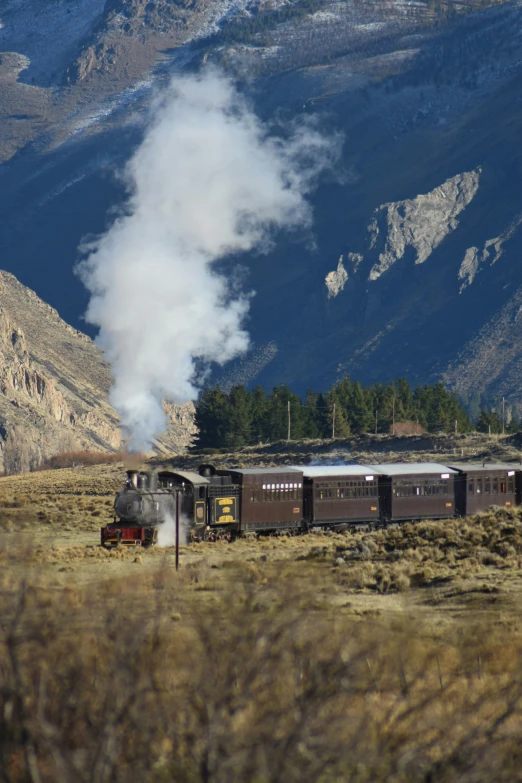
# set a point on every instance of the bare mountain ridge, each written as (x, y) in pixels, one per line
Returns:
(425, 213)
(54, 384)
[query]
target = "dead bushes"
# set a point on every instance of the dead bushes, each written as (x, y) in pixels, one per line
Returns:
(73, 459)
(157, 682)
(421, 553)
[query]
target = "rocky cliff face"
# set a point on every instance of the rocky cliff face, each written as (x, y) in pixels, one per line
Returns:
(54, 383)
(419, 224)
(412, 230)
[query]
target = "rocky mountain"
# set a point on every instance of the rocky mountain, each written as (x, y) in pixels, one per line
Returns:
(413, 266)
(54, 384)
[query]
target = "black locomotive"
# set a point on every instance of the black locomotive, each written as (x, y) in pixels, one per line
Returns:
(228, 503)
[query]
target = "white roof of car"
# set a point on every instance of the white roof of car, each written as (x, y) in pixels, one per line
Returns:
(315, 471)
(469, 467)
(410, 468)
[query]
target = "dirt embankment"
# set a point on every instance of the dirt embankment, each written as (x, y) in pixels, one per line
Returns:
(367, 449)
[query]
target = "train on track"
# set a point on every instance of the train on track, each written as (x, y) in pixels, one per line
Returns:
(224, 504)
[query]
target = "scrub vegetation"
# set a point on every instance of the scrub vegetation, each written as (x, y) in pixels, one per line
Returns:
(385, 656)
(248, 671)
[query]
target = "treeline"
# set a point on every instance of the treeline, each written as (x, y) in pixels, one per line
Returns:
(244, 30)
(256, 27)
(241, 417)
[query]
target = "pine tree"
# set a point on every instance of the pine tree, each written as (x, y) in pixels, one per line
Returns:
(405, 398)
(313, 415)
(337, 417)
(489, 422)
(378, 408)
(258, 411)
(343, 390)
(276, 414)
(389, 406)
(239, 430)
(212, 413)
(359, 417)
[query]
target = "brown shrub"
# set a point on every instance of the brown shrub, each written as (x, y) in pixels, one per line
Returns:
(159, 683)
(73, 459)
(407, 428)
(402, 582)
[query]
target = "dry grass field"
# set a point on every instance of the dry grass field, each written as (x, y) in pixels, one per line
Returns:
(386, 656)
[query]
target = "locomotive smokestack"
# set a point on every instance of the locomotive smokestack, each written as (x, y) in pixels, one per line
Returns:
(132, 478)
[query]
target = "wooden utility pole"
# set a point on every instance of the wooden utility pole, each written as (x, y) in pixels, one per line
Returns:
(376, 422)
(456, 427)
(393, 417)
(333, 422)
(503, 415)
(177, 529)
(289, 422)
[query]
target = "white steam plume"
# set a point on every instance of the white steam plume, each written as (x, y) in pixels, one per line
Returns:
(167, 531)
(208, 180)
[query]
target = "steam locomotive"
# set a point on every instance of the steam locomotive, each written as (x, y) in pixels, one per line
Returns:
(224, 504)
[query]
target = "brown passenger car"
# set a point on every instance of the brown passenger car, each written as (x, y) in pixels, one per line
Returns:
(271, 498)
(337, 494)
(480, 486)
(423, 490)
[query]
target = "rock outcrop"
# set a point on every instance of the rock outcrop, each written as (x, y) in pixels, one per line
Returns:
(54, 383)
(475, 259)
(419, 224)
(336, 280)
(129, 31)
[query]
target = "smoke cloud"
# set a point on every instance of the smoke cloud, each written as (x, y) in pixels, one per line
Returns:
(167, 531)
(209, 180)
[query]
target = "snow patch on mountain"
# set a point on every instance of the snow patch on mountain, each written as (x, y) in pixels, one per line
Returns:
(46, 31)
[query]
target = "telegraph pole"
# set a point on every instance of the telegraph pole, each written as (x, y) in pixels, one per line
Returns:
(376, 422)
(503, 415)
(289, 422)
(177, 529)
(333, 422)
(393, 417)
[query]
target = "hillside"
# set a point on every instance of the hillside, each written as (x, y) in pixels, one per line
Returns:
(54, 384)
(363, 449)
(412, 269)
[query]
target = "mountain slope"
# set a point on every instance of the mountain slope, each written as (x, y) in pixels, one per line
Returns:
(425, 273)
(424, 211)
(54, 384)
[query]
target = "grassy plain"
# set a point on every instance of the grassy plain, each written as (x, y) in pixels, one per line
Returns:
(386, 656)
